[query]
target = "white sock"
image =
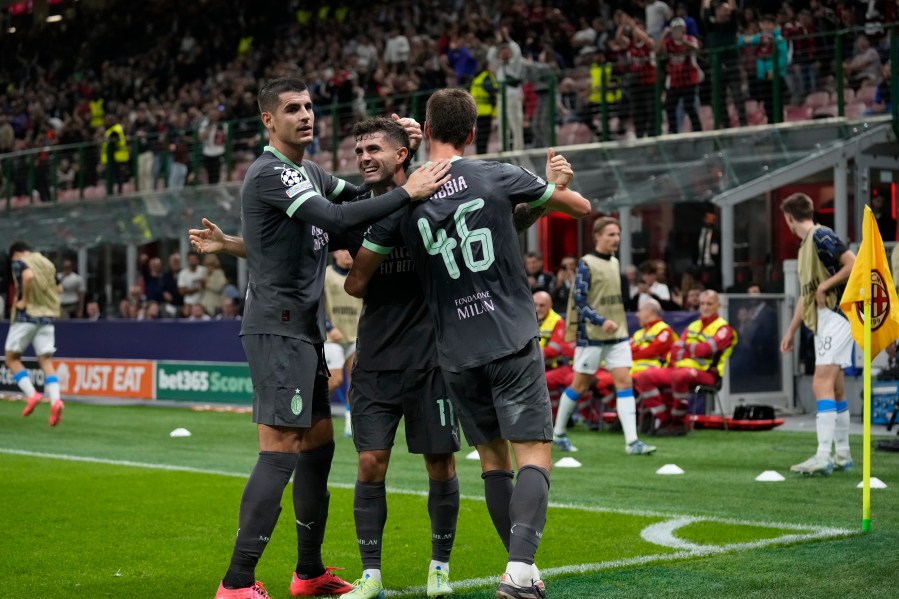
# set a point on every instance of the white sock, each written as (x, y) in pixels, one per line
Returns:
(825, 423)
(24, 383)
(444, 566)
(627, 414)
(347, 425)
(841, 432)
(373, 573)
(520, 573)
(51, 388)
(535, 573)
(567, 403)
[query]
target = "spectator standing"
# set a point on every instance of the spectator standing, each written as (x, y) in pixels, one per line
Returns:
(707, 255)
(865, 67)
(153, 281)
(505, 58)
(683, 71)
(72, 291)
(213, 134)
(484, 90)
(396, 50)
(640, 77)
(143, 131)
(722, 28)
(114, 154)
(765, 42)
(657, 13)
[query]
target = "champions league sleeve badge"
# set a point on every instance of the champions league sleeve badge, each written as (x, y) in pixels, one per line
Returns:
(295, 182)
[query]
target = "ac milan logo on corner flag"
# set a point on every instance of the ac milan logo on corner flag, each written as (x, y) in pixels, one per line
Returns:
(880, 302)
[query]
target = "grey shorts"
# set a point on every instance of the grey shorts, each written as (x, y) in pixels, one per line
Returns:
(379, 399)
(506, 398)
(290, 380)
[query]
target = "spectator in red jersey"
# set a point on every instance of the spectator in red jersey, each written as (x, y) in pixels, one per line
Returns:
(640, 77)
(804, 70)
(684, 74)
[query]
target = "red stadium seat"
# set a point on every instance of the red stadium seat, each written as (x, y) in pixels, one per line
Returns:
(855, 110)
(817, 99)
(799, 113)
(866, 94)
(826, 111)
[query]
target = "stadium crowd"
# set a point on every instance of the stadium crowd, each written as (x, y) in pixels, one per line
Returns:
(123, 90)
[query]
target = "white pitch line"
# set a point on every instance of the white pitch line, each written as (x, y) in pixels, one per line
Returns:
(690, 550)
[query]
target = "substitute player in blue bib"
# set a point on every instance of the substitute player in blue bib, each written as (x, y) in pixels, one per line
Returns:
(466, 253)
(285, 218)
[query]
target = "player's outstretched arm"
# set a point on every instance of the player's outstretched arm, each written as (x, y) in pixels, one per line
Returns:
(211, 240)
(365, 265)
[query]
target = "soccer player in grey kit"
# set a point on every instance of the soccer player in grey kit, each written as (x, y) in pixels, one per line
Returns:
(285, 217)
(466, 253)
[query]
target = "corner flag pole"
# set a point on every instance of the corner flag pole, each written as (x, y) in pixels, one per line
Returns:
(866, 418)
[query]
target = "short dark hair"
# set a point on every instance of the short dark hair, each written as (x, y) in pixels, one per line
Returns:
(534, 254)
(19, 246)
(799, 206)
(270, 94)
(648, 267)
(451, 114)
(393, 132)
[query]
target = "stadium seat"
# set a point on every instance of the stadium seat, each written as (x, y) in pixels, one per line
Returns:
(848, 96)
(755, 114)
(799, 113)
(573, 133)
(711, 396)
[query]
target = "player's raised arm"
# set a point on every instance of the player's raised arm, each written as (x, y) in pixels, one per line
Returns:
(563, 199)
(212, 240)
(365, 265)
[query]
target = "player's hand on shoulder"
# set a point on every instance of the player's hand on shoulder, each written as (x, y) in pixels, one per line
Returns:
(427, 180)
(209, 240)
(558, 169)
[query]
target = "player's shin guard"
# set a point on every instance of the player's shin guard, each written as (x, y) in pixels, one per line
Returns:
(370, 513)
(527, 511)
(443, 508)
(310, 506)
(627, 413)
(825, 423)
(841, 429)
(498, 490)
(567, 404)
(260, 507)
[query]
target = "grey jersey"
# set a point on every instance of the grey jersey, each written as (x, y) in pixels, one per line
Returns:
(285, 215)
(468, 260)
(395, 330)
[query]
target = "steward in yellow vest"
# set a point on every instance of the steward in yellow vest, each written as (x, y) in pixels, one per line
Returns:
(651, 344)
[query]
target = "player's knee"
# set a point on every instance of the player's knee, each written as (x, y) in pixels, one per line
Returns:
(373, 465)
(440, 466)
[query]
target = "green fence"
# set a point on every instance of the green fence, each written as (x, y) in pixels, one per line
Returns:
(590, 102)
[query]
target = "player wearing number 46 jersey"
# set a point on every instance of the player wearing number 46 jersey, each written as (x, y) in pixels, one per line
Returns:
(467, 257)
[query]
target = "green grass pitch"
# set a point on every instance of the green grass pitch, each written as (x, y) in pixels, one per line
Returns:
(109, 505)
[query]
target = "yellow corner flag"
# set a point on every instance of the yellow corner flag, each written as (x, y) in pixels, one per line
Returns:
(871, 281)
(871, 305)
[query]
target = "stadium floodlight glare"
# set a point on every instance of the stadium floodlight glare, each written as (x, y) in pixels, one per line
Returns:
(54, 18)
